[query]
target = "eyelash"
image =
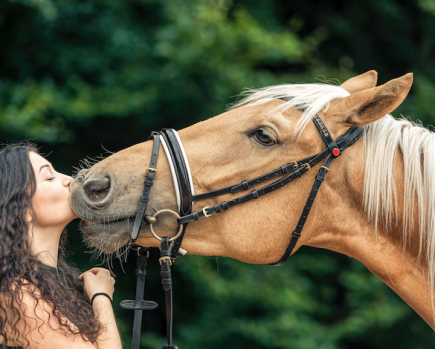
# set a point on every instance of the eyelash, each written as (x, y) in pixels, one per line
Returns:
(257, 136)
(51, 178)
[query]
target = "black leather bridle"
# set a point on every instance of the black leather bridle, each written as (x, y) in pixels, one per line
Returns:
(171, 247)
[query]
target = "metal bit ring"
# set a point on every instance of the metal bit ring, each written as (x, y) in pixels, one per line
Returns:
(180, 230)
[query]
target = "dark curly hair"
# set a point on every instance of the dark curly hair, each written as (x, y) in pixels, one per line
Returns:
(19, 270)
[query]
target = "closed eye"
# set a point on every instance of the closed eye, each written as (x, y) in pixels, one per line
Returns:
(262, 137)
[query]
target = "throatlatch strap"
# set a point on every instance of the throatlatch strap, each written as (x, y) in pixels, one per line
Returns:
(149, 177)
(306, 211)
(165, 267)
(139, 304)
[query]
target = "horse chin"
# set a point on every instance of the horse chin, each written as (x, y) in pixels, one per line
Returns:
(108, 237)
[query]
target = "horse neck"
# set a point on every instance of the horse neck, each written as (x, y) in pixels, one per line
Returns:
(384, 255)
(379, 247)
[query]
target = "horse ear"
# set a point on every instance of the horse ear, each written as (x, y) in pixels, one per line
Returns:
(367, 106)
(361, 82)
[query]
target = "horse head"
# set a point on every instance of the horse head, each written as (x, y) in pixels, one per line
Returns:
(257, 135)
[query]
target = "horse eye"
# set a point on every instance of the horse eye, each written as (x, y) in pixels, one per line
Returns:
(263, 137)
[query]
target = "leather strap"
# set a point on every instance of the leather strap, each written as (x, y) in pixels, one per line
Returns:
(255, 194)
(165, 267)
(149, 177)
(176, 244)
(139, 304)
(244, 185)
(306, 211)
(181, 170)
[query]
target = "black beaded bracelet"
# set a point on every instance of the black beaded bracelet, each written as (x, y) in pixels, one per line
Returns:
(101, 294)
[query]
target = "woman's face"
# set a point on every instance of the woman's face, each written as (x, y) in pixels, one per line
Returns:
(51, 200)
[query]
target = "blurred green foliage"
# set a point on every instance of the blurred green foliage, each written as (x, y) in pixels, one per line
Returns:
(75, 74)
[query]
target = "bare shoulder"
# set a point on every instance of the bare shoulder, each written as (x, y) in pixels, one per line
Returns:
(36, 321)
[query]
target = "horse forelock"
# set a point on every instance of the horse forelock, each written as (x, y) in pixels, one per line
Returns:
(312, 98)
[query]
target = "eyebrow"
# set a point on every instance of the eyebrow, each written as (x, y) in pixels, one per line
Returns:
(46, 165)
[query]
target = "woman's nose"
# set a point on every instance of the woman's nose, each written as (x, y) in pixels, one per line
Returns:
(67, 180)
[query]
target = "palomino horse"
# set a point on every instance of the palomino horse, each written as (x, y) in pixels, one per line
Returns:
(376, 204)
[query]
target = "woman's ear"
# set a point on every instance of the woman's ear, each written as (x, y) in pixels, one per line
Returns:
(367, 106)
(361, 82)
(29, 218)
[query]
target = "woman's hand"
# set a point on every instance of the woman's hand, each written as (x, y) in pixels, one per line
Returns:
(98, 280)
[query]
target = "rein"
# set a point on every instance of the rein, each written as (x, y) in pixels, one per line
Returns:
(171, 247)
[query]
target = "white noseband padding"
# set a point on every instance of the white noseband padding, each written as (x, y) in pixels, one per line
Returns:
(186, 162)
(174, 176)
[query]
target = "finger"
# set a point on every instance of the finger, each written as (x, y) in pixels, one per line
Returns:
(86, 275)
(93, 271)
(96, 270)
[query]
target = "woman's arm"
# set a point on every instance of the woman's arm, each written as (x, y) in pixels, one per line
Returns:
(104, 313)
(99, 280)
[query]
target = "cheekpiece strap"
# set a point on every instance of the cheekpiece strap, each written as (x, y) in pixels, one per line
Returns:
(149, 177)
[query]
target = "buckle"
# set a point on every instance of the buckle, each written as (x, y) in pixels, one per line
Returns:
(295, 164)
(149, 169)
(161, 259)
(205, 212)
(308, 167)
(325, 168)
(138, 251)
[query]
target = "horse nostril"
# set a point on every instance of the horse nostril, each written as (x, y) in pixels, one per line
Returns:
(97, 188)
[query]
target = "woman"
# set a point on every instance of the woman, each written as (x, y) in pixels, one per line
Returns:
(44, 302)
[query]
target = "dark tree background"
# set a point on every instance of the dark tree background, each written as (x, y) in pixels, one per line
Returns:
(77, 75)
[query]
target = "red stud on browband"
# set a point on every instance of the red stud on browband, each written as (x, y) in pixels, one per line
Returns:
(336, 152)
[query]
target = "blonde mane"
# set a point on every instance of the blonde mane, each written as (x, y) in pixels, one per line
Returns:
(417, 145)
(381, 139)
